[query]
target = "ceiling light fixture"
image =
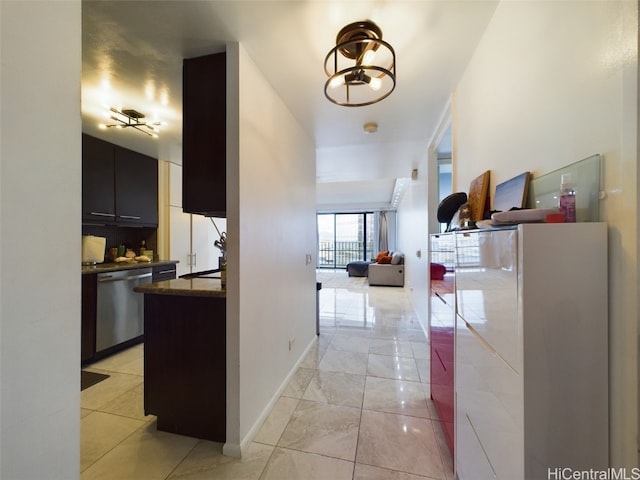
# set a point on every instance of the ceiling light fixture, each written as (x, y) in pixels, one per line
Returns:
(361, 67)
(132, 118)
(398, 192)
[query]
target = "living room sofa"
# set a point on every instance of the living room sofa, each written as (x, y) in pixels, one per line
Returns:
(388, 270)
(359, 268)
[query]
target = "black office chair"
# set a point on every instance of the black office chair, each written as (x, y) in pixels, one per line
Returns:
(449, 206)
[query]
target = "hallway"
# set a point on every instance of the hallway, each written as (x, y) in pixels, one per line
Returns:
(357, 408)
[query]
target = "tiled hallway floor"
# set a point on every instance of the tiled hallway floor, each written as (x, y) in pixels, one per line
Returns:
(357, 408)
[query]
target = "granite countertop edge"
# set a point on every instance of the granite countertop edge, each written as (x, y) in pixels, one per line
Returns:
(194, 287)
(114, 267)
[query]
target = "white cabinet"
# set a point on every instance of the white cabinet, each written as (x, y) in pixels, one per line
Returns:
(531, 375)
(180, 239)
(191, 237)
(204, 254)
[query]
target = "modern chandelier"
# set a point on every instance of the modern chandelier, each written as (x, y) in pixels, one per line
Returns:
(361, 67)
(132, 118)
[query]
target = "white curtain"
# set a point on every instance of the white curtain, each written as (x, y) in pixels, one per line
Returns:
(383, 233)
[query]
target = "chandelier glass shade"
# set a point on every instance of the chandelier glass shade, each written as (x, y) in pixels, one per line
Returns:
(361, 67)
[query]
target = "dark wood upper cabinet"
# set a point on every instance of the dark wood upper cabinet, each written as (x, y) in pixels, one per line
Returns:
(204, 106)
(119, 186)
(136, 188)
(98, 181)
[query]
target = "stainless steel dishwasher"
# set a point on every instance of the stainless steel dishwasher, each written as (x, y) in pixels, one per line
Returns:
(120, 311)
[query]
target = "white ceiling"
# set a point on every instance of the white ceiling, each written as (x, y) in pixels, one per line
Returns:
(133, 51)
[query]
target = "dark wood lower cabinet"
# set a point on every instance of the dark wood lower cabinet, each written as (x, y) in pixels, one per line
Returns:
(88, 325)
(185, 364)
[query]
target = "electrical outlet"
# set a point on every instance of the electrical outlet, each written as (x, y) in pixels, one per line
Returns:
(292, 341)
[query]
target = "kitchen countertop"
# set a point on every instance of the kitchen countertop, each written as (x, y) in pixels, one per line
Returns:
(193, 287)
(113, 267)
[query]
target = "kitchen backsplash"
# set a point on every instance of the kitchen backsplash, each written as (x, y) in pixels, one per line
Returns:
(130, 237)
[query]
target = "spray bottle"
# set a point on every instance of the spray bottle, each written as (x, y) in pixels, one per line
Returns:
(567, 199)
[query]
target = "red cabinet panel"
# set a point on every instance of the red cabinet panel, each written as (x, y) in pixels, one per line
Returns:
(442, 333)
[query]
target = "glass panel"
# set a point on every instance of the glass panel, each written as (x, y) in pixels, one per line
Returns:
(344, 238)
(585, 175)
(368, 238)
(326, 239)
(349, 238)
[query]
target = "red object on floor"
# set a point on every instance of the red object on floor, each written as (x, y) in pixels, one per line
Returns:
(437, 271)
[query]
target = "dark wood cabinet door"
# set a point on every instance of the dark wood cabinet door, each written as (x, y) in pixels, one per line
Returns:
(119, 186)
(185, 364)
(88, 322)
(98, 200)
(136, 188)
(204, 135)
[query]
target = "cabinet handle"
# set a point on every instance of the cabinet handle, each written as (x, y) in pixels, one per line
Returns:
(102, 214)
(482, 341)
(475, 432)
(492, 351)
(440, 358)
(131, 217)
(162, 272)
(194, 260)
(108, 279)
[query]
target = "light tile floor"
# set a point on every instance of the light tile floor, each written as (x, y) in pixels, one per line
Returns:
(357, 408)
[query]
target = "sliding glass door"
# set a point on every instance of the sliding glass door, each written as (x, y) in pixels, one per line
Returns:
(343, 238)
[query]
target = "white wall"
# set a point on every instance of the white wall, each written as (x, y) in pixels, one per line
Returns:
(271, 291)
(552, 83)
(417, 219)
(40, 206)
(412, 224)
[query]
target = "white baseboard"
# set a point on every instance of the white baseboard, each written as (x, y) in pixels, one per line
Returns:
(235, 449)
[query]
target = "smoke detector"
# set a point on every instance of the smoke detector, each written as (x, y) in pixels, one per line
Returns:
(370, 127)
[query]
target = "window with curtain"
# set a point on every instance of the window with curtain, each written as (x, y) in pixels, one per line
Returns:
(344, 237)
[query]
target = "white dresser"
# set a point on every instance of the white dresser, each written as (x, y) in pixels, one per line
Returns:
(531, 374)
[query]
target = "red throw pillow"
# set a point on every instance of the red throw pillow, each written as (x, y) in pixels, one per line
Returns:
(380, 255)
(385, 259)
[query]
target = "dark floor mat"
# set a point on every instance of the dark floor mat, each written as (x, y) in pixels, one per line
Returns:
(87, 379)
